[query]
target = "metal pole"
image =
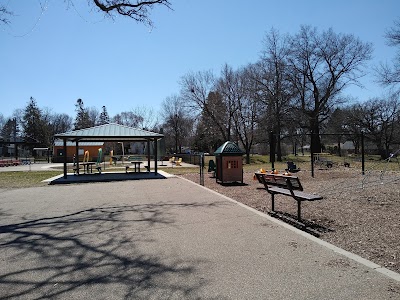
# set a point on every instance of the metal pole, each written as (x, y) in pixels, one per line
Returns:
(272, 149)
(312, 155)
(65, 157)
(123, 152)
(77, 157)
(201, 169)
(155, 157)
(362, 154)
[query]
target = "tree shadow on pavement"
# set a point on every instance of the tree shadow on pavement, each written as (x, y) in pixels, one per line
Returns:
(96, 253)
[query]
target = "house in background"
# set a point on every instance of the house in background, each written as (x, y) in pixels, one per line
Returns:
(92, 147)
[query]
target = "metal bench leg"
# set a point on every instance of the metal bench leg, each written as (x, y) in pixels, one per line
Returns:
(298, 210)
(273, 202)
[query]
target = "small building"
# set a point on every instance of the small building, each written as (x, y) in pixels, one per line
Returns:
(229, 163)
(92, 147)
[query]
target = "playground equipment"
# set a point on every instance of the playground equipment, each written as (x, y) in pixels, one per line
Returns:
(86, 156)
(99, 160)
(323, 160)
(111, 157)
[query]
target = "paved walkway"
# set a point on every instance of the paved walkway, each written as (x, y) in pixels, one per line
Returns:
(165, 239)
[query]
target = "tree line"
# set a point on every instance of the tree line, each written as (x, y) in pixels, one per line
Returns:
(295, 90)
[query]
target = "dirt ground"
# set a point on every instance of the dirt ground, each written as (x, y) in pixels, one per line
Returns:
(360, 214)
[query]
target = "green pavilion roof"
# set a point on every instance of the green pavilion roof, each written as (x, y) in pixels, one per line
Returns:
(109, 132)
(229, 148)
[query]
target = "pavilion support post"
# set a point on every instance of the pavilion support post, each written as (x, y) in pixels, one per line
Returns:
(77, 156)
(65, 157)
(155, 156)
(148, 154)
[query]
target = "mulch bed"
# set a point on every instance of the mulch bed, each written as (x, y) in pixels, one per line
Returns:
(360, 214)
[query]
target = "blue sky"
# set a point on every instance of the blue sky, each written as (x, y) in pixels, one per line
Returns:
(71, 52)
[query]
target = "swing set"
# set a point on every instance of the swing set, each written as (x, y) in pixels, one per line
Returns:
(321, 159)
(375, 175)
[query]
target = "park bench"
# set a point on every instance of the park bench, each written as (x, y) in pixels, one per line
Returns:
(287, 185)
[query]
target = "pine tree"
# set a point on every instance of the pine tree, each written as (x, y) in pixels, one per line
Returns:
(33, 125)
(104, 117)
(82, 119)
(10, 130)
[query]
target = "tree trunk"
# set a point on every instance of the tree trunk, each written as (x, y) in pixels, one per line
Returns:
(247, 156)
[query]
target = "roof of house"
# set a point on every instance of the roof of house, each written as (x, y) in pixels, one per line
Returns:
(109, 132)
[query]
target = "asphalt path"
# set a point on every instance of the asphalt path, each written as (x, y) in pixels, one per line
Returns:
(166, 239)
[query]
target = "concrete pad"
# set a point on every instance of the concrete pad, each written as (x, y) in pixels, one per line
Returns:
(105, 177)
(164, 239)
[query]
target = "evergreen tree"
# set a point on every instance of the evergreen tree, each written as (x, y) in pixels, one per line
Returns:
(33, 125)
(82, 119)
(9, 130)
(104, 117)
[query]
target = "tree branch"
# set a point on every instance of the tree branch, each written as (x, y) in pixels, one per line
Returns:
(138, 11)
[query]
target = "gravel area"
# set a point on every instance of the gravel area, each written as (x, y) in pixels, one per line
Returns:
(360, 214)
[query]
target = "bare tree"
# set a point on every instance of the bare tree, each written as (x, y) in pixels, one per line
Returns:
(390, 75)
(208, 135)
(336, 124)
(138, 10)
(3, 15)
(199, 91)
(177, 123)
(61, 123)
(379, 119)
(139, 117)
(274, 88)
(145, 118)
(231, 87)
(2, 121)
(322, 65)
(246, 110)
